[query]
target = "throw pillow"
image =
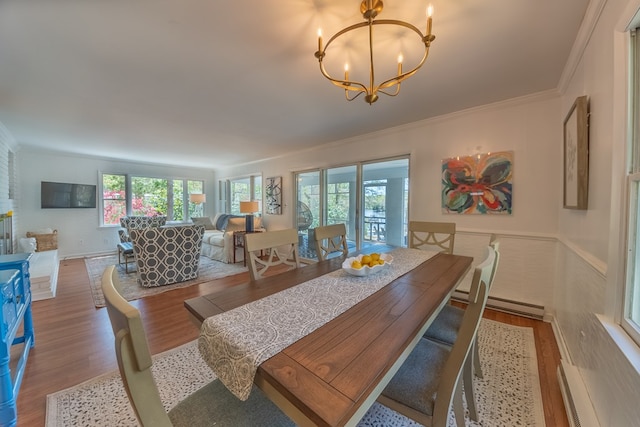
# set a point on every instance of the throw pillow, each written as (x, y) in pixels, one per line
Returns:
(236, 224)
(45, 241)
(203, 220)
(223, 219)
(28, 244)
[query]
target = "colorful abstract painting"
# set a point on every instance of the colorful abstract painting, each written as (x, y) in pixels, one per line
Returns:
(478, 184)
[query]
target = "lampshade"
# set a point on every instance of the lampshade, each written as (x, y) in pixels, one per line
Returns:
(197, 198)
(248, 207)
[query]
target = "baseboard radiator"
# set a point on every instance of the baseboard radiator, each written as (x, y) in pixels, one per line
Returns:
(508, 306)
(576, 399)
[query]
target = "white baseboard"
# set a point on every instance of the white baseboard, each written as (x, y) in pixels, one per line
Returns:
(576, 399)
(508, 306)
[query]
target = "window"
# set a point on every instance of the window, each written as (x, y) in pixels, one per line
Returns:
(114, 198)
(193, 187)
(147, 196)
(631, 315)
(371, 199)
(242, 190)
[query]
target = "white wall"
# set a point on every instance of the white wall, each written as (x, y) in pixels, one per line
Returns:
(79, 231)
(528, 126)
(531, 127)
(591, 253)
(7, 148)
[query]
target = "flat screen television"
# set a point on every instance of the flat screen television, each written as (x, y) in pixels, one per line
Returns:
(55, 195)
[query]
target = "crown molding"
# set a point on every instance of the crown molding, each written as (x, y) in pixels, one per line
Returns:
(591, 16)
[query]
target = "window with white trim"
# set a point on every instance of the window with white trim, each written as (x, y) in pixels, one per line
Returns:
(248, 188)
(124, 195)
(631, 313)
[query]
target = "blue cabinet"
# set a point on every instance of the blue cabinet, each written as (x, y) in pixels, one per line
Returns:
(15, 298)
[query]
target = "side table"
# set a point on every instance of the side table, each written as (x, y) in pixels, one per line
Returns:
(238, 242)
(125, 250)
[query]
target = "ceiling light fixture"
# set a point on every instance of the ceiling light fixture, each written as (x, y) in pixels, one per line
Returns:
(370, 9)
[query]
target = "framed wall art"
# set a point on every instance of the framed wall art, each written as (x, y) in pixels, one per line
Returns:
(478, 184)
(576, 155)
(273, 195)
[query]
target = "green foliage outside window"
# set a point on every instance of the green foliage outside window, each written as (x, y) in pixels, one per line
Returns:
(149, 197)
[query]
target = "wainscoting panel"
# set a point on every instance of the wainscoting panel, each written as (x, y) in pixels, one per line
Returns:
(527, 265)
(610, 380)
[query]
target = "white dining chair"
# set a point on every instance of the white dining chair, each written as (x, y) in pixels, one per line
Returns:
(446, 325)
(330, 239)
(438, 236)
(429, 382)
(212, 405)
(281, 247)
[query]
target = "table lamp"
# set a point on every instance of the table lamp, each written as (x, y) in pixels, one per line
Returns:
(248, 208)
(198, 199)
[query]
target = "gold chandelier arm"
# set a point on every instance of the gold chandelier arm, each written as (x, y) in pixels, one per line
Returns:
(346, 95)
(397, 86)
(347, 85)
(399, 79)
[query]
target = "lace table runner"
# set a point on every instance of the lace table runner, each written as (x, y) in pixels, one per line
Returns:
(236, 342)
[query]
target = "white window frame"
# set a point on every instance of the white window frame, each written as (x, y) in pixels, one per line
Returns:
(631, 301)
(255, 192)
(186, 203)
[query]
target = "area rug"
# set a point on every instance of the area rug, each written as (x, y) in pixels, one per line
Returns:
(509, 394)
(208, 270)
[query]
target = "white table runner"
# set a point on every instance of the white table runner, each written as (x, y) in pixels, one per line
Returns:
(236, 342)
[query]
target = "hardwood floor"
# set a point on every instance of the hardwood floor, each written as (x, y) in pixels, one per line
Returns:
(74, 341)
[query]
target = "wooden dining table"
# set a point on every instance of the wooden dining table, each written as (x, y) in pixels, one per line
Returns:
(333, 375)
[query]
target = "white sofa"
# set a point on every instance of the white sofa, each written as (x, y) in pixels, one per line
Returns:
(217, 242)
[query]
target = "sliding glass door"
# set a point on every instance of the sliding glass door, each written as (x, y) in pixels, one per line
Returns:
(308, 210)
(371, 199)
(385, 189)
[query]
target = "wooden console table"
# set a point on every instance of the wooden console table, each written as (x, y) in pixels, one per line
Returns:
(15, 289)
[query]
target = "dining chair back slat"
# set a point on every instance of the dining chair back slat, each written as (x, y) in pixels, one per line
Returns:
(329, 239)
(211, 405)
(494, 242)
(281, 248)
(439, 235)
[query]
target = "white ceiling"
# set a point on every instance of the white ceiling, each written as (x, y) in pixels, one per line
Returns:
(216, 83)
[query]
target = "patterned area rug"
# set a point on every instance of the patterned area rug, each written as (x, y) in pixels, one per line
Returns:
(509, 394)
(208, 270)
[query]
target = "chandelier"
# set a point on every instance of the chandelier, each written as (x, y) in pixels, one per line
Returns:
(370, 9)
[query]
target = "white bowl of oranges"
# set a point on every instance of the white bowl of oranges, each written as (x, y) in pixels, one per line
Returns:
(366, 264)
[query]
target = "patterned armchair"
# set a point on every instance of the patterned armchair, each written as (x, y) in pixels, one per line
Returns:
(166, 255)
(130, 222)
